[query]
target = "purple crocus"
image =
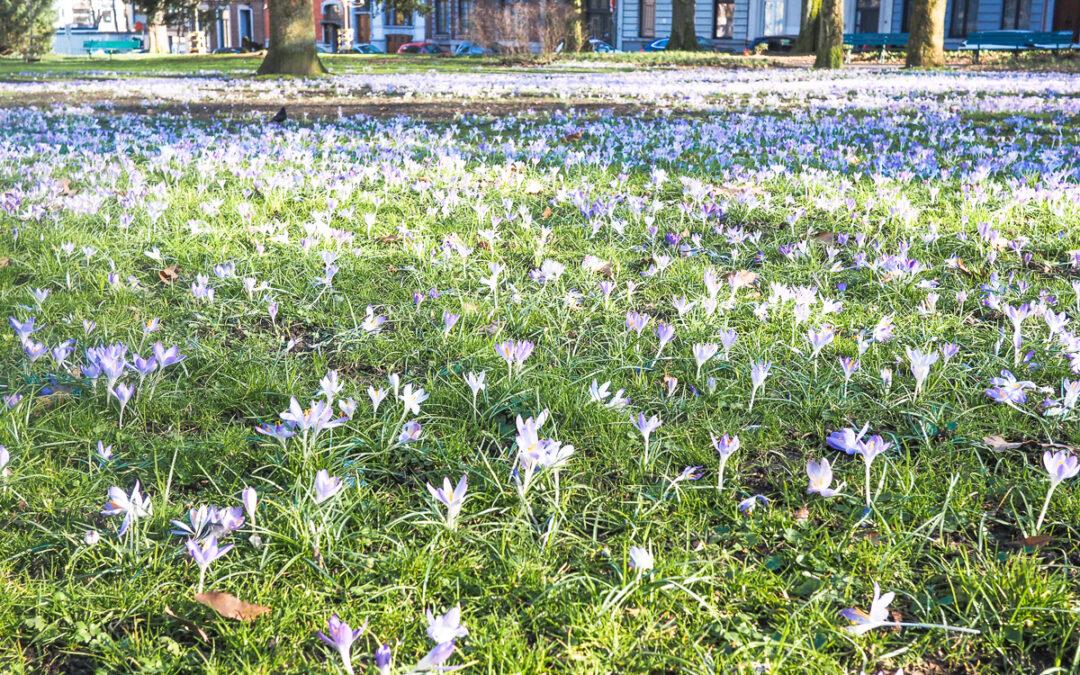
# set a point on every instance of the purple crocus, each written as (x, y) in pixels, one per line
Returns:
(340, 636)
(1009, 390)
(646, 425)
(1061, 466)
(725, 447)
(205, 554)
(326, 486)
(132, 506)
(453, 498)
(384, 659)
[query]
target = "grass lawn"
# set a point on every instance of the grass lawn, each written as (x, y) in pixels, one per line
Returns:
(589, 304)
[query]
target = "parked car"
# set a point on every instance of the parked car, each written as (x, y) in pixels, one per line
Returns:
(774, 43)
(227, 50)
(421, 47)
(366, 48)
(323, 48)
(595, 44)
(468, 48)
(661, 45)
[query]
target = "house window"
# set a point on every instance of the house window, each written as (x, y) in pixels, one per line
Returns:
(724, 26)
(397, 17)
(243, 18)
(464, 16)
(867, 14)
(442, 17)
(1016, 15)
(774, 17)
(965, 14)
(647, 18)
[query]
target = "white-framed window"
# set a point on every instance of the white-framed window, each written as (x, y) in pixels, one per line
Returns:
(245, 24)
(773, 17)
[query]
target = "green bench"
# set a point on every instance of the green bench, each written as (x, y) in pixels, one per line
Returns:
(1017, 41)
(880, 40)
(111, 47)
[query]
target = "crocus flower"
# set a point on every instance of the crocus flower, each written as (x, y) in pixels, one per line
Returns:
(340, 637)
(920, 366)
(449, 321)
(446, 627)
(750, 503)
(412, 399)
(281, 432)
(476, 383)
(725, 447)
(250, 499)
(704, 352)
(383, 659)
(758, 372)
(819, 339)
(376, 394)
(205, 554)
(133, 506)
(434, 659)
(1061, 466)
(636, 321)
(326, 486)
(646, 425)
(665, 333)
(820, 474)
(451, 497)
(641, 559)
(877, 617)
(1007, 389)
(104, 452)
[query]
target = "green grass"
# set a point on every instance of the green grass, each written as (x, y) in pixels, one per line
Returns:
(540, 588)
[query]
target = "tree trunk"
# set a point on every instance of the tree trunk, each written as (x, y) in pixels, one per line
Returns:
(157, 33)
(683, 33)
(830, 46)
(575, 38)
(926, 43)
(292, 40)
(808, 27)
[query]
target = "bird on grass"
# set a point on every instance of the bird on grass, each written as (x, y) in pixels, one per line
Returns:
(280, 117)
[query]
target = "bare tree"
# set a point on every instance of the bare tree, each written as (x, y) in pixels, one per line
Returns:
(926, 43)
(683, 32)
(830, 46)
(292, 41)
(808, 27)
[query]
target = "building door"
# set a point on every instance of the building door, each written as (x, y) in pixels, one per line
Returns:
(361, 27)
(867, 14)
(329, 35)
(598, 13)
(393, 41)
(1067, 17)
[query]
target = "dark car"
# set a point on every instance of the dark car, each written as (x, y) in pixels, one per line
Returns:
(595, 44)
(661, 45)
(775, 43)
(419, 48)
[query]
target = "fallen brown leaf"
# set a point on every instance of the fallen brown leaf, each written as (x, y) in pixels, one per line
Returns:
(999, 444)
(4, 262)
(1034, 541)
(230, 606)
(169, 274)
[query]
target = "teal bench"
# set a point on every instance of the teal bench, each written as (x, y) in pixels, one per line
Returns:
(1017, 41)
(111, 47)
(880, 40)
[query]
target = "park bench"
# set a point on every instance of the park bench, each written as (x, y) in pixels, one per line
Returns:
(111, 47)
(880, 40)
(1017, 41)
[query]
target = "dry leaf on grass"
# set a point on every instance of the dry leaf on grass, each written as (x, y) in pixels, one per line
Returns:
(169, 274)
(999, 444)
(230, 606)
